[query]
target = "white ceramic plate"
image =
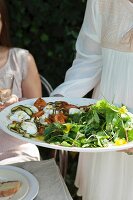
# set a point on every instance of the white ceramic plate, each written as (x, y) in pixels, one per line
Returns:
(29, 185)
(4, 121)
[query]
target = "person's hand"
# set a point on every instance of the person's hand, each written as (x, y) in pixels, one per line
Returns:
(13, 99)
(129, 151)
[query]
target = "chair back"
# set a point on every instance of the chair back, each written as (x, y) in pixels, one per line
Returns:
(47, 86)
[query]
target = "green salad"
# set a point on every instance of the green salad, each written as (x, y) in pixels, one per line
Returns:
(98, 125)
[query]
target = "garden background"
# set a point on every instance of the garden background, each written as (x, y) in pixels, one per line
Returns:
(49, 29)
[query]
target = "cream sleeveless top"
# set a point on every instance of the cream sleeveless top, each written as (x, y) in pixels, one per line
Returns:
(16, 64)
(11, 148)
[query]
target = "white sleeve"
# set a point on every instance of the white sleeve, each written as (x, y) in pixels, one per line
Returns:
(85, 72)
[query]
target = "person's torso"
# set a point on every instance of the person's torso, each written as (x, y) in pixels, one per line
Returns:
(16, 64)
(117, 51)
(117, 24)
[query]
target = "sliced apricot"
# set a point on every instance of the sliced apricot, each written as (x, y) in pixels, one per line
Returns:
(40, 103)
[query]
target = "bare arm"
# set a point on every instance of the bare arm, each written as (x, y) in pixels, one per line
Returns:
(31, 85)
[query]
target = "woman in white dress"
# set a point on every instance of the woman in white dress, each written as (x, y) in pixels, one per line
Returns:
(104, 61)
(21, 64)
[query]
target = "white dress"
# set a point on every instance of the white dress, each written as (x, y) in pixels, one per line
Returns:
(104, 61)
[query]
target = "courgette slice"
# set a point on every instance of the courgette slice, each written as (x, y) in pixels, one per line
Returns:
(23, 108)
(16, 108)
(16, 127)
(13, 127)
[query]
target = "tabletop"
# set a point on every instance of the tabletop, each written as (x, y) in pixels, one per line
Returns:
(51, 183)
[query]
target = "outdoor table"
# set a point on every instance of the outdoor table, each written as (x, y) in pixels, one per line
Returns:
(51, 183)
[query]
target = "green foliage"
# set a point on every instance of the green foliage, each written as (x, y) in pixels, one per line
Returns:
(49, 30)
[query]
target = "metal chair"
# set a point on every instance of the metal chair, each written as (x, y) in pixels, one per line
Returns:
(46, 85)
(60, 154)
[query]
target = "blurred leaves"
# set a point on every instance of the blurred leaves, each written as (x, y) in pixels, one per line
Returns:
(49, 30)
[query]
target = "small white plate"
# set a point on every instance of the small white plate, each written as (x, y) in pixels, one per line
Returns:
(29, 184)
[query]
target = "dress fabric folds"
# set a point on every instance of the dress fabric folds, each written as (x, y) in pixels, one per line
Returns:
(104, 61)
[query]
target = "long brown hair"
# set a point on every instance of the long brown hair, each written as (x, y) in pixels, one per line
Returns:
(4, 35)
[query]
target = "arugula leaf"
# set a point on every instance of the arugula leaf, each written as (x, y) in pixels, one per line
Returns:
(130, 135)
